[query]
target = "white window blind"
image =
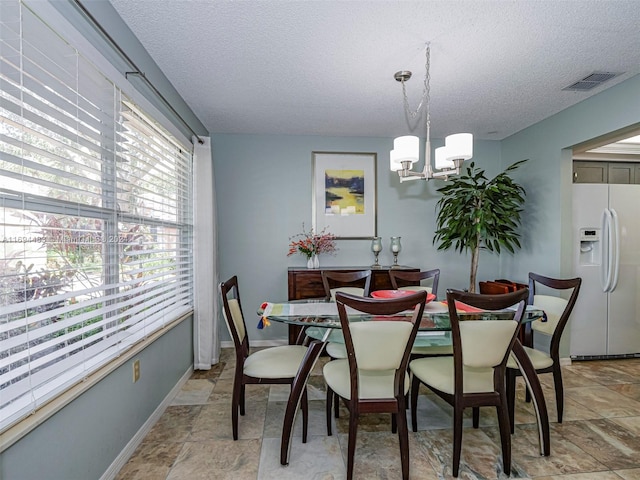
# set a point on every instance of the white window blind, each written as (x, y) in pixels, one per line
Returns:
(95, 207)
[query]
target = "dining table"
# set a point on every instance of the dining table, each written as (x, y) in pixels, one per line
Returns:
(320, 324)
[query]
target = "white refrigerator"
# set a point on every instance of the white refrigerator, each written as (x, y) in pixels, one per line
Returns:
(606, 236)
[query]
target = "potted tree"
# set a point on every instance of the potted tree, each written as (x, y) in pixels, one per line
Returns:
(476, 213)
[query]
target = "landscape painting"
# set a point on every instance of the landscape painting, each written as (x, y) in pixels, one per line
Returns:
(344, 194)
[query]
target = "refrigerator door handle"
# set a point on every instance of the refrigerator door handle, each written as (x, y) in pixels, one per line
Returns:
(605, 265)
(615, 224)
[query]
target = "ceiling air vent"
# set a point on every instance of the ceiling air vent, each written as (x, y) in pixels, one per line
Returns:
(591, 81)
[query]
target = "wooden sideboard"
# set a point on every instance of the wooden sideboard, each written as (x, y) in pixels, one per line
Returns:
(307, 283)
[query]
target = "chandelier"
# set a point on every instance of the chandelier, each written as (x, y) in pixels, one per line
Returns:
(406, 149)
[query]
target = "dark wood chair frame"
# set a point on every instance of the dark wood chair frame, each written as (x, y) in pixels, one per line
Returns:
(396, 406)
(242, 350)
(401, 278)
(335, 279)
(554, 347)
(459, 400)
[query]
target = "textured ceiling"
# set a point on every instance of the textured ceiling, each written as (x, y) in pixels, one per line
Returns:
(325, 67)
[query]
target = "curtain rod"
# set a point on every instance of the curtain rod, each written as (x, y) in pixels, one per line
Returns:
(137, 70)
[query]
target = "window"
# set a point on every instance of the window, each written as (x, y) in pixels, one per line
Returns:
(95, 206)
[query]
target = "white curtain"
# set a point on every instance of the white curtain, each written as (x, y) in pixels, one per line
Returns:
(206, 346)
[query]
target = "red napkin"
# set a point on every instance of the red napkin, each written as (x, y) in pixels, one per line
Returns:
(463, 307)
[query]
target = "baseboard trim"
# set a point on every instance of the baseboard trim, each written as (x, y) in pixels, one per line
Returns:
(136, 440)
(565, 361)
(257, 343)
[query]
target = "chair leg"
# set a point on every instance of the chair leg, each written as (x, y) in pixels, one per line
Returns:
(476, 417)
(394, 422)
(527, 395)
(242, 400)
(328, 402)
(305, 415)
(415, 386)
(351, 449)
(336, 406)
(557, 382)
(235, 405)
(457, 438)
(505, 436)
(403, 437)
(511, 397)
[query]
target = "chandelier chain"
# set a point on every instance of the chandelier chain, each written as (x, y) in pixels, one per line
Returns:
(425, 91)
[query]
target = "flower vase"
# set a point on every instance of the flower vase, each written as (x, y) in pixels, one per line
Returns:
(313, 262)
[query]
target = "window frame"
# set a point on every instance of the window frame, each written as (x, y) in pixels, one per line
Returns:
(25, 201)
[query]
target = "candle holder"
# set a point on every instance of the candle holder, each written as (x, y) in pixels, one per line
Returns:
(376, 248)
(395, 249)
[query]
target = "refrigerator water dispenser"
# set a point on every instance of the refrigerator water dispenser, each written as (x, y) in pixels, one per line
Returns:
(589, 246)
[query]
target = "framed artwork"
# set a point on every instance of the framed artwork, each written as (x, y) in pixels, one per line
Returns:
(344, 194)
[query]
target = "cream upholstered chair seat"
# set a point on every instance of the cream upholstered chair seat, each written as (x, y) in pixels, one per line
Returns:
(372, 384)
(378, 357)
(336, 350)
(538, 358)
(275, 362)
(438, 373)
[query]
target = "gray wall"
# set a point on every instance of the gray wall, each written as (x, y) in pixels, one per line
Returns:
(263, 190)
(548, 248)
(82, 440)
(549, 174)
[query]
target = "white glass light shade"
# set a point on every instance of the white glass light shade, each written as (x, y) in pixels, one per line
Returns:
(459, 146)
(407, 148)
(394, 165)
(441, 162)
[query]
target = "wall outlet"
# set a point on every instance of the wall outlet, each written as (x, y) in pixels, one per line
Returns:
(136, 371)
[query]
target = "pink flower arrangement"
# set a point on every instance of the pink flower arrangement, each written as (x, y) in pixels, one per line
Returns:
(310, 243)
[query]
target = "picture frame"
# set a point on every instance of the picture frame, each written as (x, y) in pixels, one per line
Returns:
(345, 194)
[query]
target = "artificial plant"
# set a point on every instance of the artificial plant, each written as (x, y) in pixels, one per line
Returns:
(475, 213)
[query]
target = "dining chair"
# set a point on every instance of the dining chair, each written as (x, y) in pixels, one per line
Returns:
(356, 283)
(274, 365)
(373, 378)
(557, 308)
(475, 375)
(405, 280)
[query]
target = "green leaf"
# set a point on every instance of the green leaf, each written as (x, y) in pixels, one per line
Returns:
(475, 210)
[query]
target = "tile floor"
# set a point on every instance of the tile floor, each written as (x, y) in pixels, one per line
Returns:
(598, 440)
